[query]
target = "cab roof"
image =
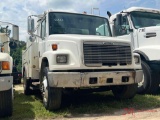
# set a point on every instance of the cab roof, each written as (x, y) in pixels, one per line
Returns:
(142, 9)
(131, 9)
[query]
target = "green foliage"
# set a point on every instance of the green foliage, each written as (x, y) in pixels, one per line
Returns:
(80, 104)
(17, 55)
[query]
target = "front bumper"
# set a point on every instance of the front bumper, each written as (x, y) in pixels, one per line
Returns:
(93, 79)
(6, 83)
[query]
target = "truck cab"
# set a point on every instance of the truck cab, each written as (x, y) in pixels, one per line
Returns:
(69, 51)
(141, 26)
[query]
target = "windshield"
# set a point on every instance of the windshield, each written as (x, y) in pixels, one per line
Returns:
(145, 19)
(69, 23)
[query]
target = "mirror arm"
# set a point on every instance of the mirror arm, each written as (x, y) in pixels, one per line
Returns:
(35, 35)
(6, 42)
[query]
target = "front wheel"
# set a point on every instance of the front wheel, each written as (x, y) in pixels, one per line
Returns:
(51, 96)
(125, 91)
(150, 83)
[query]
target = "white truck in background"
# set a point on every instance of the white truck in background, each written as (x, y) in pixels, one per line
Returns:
(142, 27)
(6, 63)
(67, 51)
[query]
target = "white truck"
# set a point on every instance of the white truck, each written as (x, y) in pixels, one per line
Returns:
(67, 51)
(142, 27)
(6, 63)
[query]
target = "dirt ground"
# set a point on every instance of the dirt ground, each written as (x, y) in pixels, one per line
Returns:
(125, 114)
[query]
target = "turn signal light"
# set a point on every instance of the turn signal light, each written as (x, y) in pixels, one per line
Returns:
(5, 65)
(54, 47)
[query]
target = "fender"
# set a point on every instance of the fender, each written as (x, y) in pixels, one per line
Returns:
(150, 53)
(73, 59)
(141, 53)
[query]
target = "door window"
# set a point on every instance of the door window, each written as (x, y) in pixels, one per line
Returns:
(122, 29)
(43, 29)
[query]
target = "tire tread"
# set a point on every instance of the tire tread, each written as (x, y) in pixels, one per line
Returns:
(6, 103)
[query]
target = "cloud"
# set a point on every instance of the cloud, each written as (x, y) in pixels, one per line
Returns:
(17, 11)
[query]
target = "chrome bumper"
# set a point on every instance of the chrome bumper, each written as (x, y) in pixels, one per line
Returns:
(93, 79)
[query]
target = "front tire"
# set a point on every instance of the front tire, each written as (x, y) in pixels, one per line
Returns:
(51, 96)
(6, 103)
(150, 83)
(125, 91)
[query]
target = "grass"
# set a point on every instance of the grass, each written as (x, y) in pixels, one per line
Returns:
(31, 107)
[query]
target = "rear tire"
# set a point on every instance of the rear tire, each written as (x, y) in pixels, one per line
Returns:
(150, 83)
(51, 96)
(125, 91)
(6, 103)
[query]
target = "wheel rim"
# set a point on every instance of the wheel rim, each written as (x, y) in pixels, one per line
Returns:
(45, 91)
(142, 82)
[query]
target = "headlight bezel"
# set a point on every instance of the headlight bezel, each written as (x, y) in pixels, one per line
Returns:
(137, 59)
(61, 58)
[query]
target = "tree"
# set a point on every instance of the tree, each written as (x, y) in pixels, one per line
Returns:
(17, 55)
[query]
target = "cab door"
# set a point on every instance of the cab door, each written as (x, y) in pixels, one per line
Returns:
(123, 31)
(42, 39)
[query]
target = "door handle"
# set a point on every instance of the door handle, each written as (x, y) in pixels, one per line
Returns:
(148, 35)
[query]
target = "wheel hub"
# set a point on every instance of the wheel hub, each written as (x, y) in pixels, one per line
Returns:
(44, 90)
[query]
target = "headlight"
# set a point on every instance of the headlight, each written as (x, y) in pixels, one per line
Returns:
(136, 59)
(62, 58)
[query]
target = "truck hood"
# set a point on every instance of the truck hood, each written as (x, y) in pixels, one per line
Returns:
(73, 37)
(149, 36)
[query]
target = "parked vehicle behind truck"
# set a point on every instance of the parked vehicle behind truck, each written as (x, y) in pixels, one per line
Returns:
(141, 27)
(6, 62)
(67, 51)
(16, 75)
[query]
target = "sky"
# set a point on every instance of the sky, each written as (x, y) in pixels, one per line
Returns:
(17, 11)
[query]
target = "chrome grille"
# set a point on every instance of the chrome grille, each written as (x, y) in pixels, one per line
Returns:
(106, 53)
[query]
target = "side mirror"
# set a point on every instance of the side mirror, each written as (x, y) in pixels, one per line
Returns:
(15, 31)
(13, 45)
(30, 25)
(119, 20)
